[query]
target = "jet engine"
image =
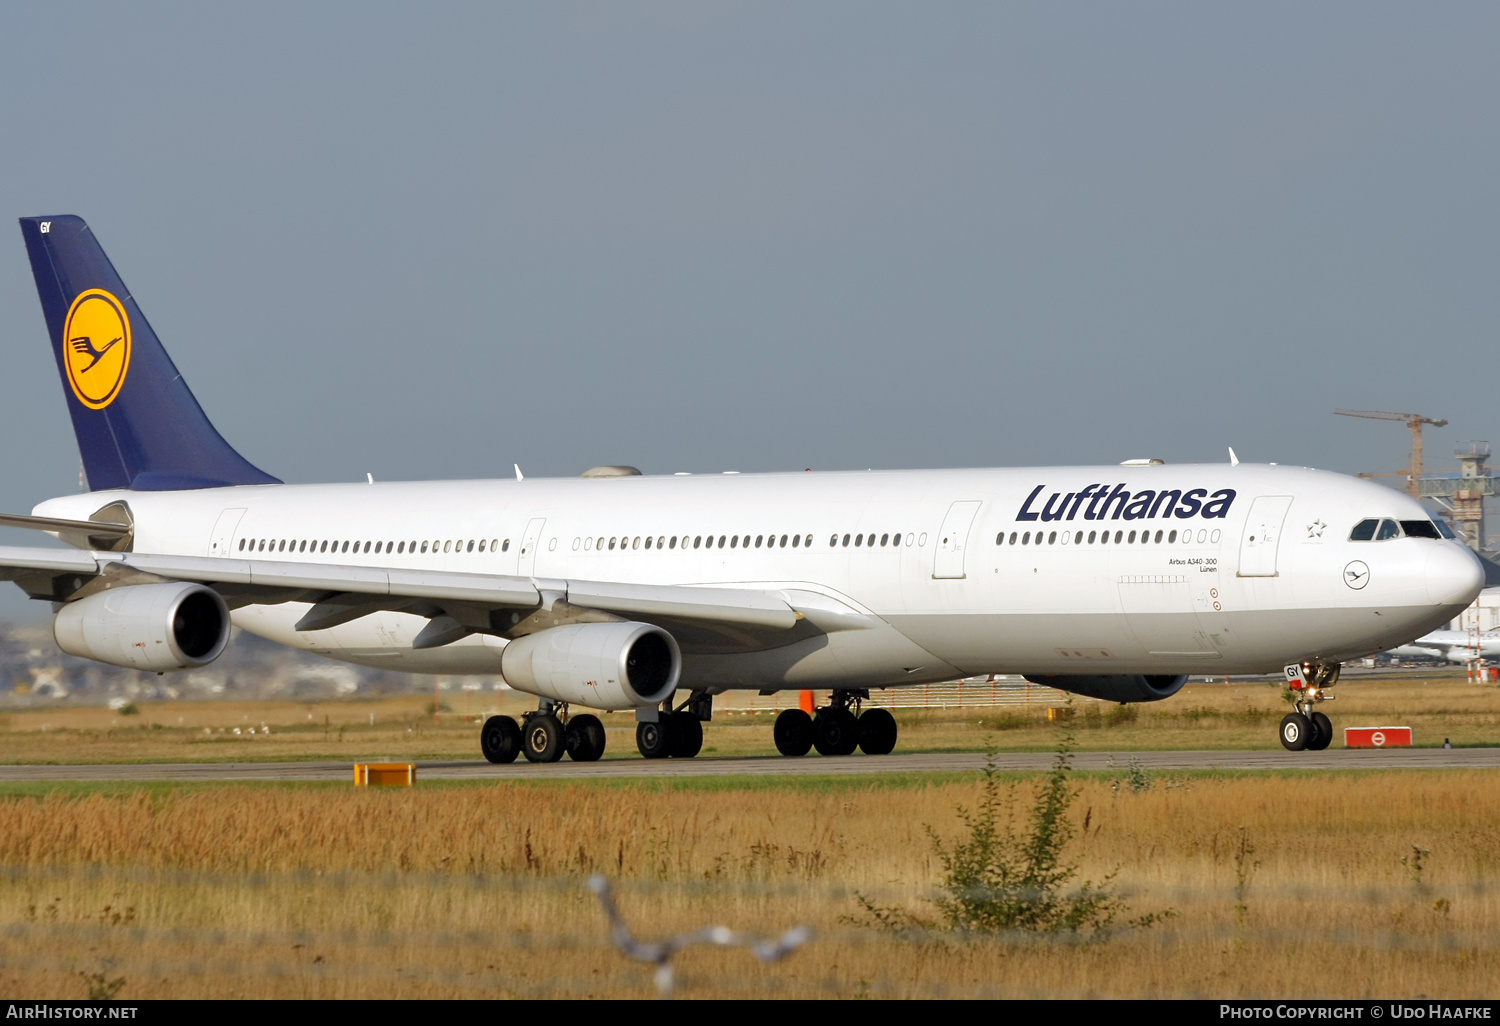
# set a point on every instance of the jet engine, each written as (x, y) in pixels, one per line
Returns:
(1117, 687)
(600, 665)
(156, 627)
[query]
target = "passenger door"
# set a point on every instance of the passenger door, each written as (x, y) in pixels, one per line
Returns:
(953, 539)
(224, 528)
(1262, 535)
(526, 563)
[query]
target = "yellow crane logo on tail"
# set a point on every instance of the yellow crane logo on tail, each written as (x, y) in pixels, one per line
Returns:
(96, 347)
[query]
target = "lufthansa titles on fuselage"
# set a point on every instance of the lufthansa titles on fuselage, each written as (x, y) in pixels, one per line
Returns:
(1100, 502)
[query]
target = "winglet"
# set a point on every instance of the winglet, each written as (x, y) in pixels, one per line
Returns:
(519, 476)
(1234, 460)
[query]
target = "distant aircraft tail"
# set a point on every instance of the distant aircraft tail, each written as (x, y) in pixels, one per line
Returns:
(137, 423)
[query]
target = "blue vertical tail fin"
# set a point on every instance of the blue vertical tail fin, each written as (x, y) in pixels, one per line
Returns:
(137, 423)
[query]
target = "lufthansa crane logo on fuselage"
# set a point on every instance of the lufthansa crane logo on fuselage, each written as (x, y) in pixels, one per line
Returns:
(96, 347)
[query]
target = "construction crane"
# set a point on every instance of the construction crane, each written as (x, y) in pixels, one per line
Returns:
(1413, 421)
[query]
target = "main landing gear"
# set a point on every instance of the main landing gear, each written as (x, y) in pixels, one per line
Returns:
(543, 736)
(1305, 729)
(837, 729)
(674, 733)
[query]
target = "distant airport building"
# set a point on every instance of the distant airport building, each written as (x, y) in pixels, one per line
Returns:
(1483, 615)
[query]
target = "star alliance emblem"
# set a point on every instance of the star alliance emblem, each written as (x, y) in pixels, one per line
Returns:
(1315, 529)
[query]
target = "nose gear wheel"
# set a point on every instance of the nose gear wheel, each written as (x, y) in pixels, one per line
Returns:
(1295, 731)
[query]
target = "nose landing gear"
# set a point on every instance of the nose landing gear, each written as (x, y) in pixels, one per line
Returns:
(1305, 729)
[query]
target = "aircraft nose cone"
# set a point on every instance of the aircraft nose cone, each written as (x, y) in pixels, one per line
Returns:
(1454, 575)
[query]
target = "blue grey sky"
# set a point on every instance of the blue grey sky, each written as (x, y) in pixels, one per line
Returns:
(428, 241)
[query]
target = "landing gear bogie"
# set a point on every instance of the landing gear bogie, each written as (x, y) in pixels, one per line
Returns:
(837, 729)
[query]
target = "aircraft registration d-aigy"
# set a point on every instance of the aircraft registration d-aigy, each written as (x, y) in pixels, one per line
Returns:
(619, 591)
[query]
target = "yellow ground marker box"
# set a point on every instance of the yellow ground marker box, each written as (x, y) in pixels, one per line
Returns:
(385, 774)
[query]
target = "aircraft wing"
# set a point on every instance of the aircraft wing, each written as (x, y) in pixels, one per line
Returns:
(18, 563)
(703, 619)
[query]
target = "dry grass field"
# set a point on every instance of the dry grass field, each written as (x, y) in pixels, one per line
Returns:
(477, 891)
(1233, 716)
(1294, 884)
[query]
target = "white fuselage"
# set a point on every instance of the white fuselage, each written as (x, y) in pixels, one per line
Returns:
(1257, 586)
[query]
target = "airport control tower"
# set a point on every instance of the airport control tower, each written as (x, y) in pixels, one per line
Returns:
(1464, 492)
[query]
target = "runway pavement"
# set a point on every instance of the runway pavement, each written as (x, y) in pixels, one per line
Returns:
(764, 766)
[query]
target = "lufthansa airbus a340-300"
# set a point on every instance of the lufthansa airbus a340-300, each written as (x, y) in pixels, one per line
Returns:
(618, 591)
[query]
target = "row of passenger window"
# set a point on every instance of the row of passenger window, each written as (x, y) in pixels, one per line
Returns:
(1103, 538)
(736, 541)
(439, 546)
(1380, 530)
(687, 541)
(602, 544)
(869, 540)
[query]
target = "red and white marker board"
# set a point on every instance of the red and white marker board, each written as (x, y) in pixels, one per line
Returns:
(1377, 737)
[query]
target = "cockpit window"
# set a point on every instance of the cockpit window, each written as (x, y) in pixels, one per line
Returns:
(1388, 529)
(1364, 530)
(1420, 529)
(1443, 528)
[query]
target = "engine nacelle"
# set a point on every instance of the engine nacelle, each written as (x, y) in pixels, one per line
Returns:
(600, 665)
(156, 627)
(1117, 687)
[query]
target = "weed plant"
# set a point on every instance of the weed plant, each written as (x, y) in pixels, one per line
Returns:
(1001, 878)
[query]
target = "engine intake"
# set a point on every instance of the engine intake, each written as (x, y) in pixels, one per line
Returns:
(600, 665)
(1117, 687)
(156, 627)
